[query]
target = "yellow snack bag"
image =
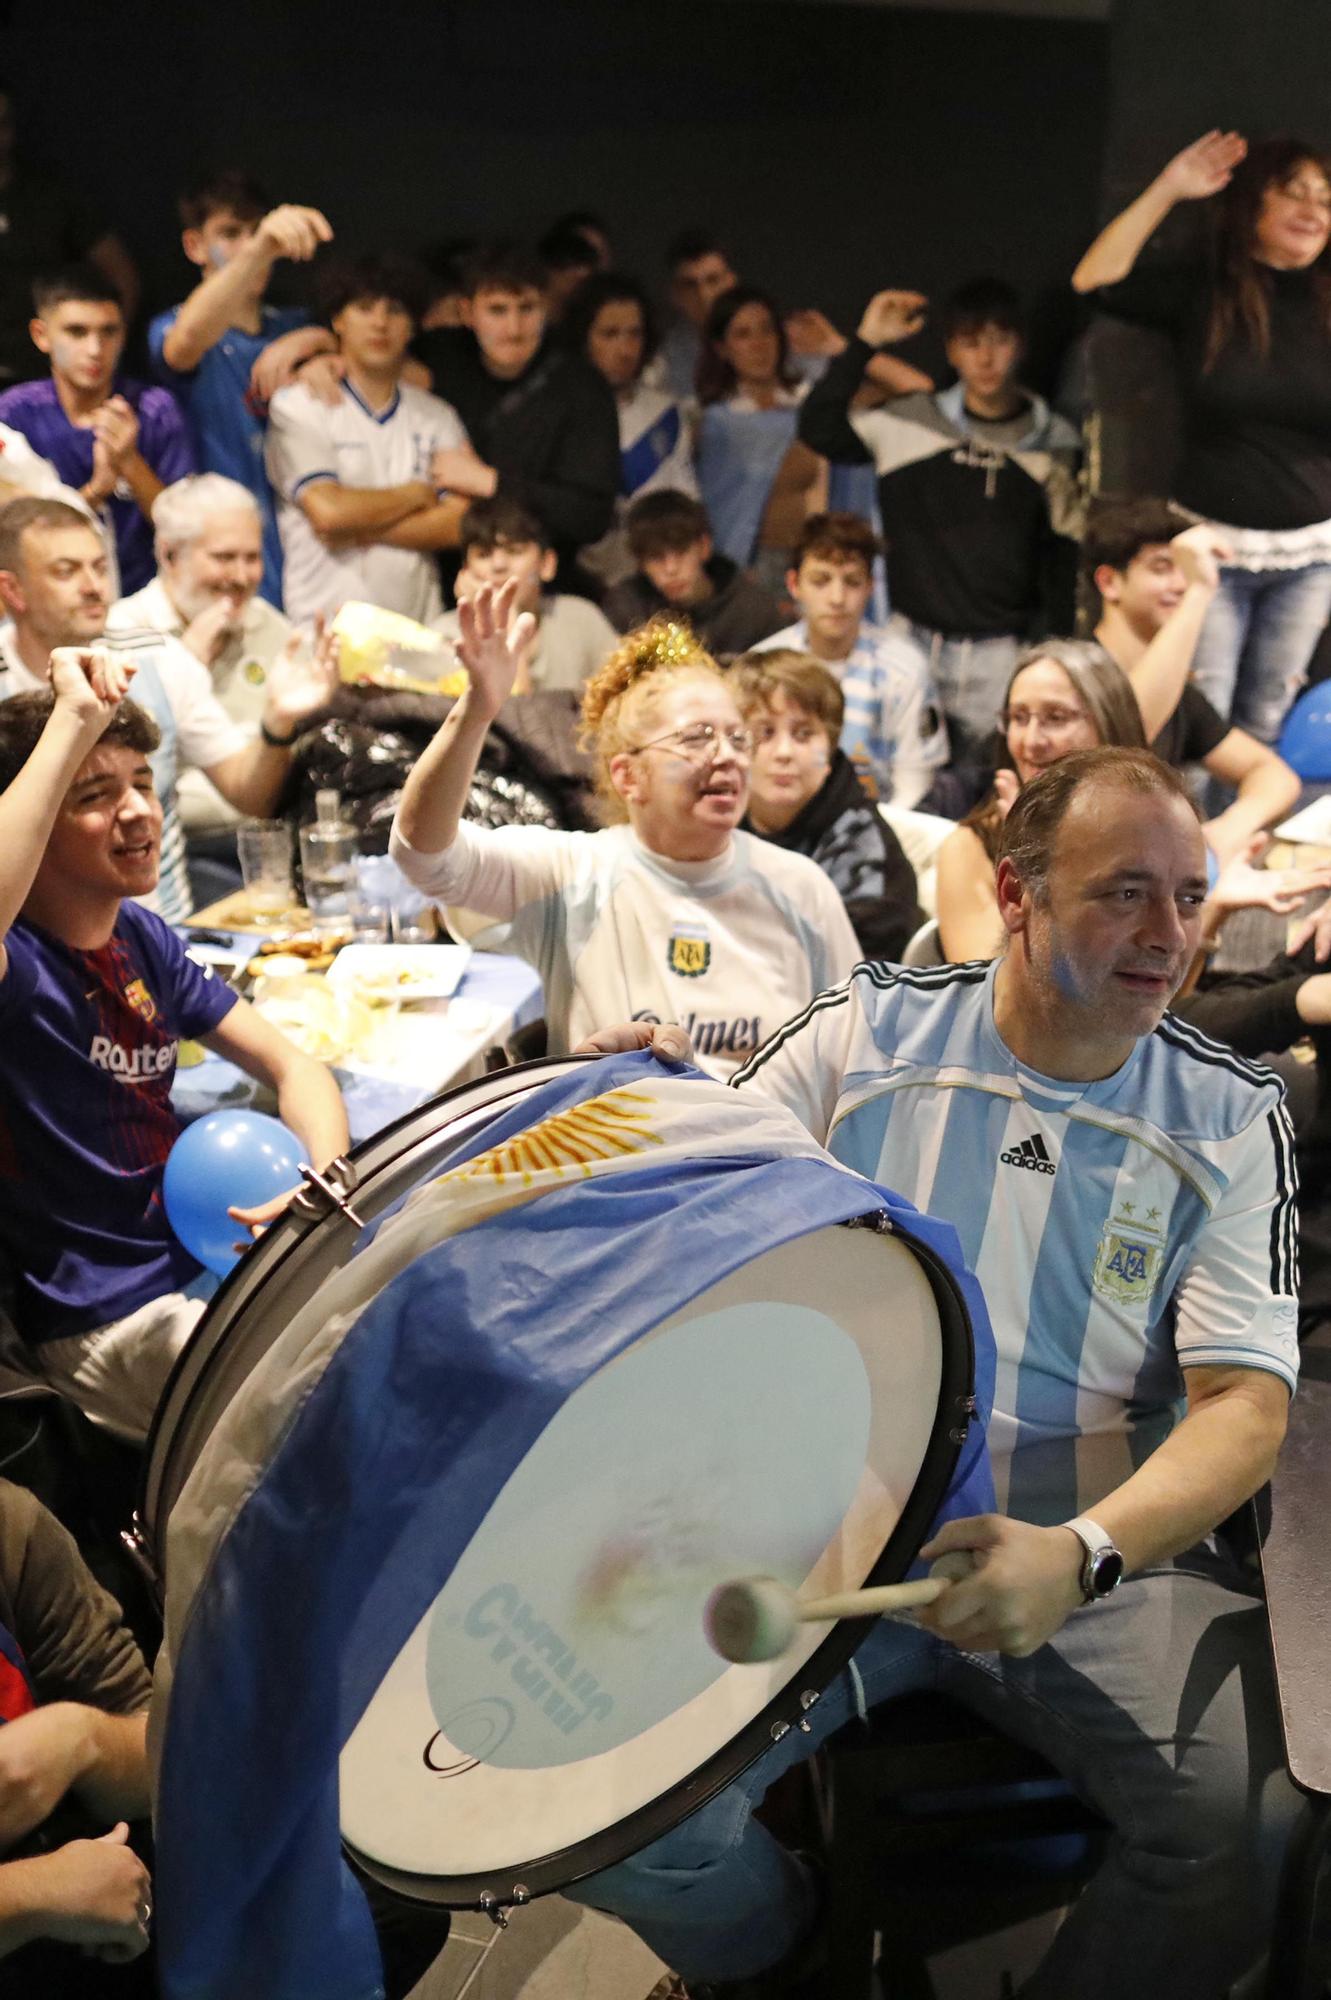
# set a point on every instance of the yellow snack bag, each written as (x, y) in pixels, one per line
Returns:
(391, 651)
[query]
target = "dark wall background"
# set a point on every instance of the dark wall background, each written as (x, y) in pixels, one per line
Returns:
(838, 148)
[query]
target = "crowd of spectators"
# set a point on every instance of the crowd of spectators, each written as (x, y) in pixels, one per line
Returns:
(801, 600)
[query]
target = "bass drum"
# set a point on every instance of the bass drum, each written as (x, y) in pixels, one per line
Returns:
(557, 1706)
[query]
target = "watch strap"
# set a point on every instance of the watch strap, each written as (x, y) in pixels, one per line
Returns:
(1095, 1542)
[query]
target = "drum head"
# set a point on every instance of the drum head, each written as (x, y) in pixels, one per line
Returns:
(558, 1706)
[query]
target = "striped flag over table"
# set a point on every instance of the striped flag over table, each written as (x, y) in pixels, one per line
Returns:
(335, 1497)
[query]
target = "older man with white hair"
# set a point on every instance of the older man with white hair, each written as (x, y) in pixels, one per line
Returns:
(208, 537)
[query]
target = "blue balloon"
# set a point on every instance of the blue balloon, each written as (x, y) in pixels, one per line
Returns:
(230, 1159)
(1305, 740)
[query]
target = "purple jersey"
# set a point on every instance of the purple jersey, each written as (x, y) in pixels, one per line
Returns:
(88, 1044)
(164, 444)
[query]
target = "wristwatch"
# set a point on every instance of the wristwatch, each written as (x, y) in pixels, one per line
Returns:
(1102, 1569)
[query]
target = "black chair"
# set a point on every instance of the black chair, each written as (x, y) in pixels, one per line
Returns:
(939, 1830)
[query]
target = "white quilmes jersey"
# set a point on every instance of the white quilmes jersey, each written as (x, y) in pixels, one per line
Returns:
(1121, 1230)
(893, 732)
(726, 948)
(351, 443)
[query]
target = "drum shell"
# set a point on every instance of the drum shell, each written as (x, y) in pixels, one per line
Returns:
(287, 1268)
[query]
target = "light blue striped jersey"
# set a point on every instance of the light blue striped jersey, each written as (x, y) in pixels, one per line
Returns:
(1121, 1230)
(893, 732)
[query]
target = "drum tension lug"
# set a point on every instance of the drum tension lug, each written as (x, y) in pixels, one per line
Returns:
(337, 1183)
(497, 1911)
(966, 1406)
(135, 1544)
(878, 1220)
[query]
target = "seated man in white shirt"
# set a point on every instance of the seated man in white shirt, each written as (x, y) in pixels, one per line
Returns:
(55, 585)
(209, 548)
(501, 538)
(358, 509)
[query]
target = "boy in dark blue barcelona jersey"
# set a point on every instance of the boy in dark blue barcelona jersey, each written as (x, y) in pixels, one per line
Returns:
(95, 995)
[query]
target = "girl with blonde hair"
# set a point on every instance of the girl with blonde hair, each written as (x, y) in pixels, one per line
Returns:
(669, 912)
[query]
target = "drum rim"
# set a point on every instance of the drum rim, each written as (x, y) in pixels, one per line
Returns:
(189, 1376)
(562, 1866)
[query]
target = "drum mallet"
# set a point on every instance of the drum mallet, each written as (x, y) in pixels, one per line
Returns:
(756, 1617)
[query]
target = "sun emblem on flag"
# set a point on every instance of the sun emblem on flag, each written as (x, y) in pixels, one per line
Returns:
(606, 1128)
(141, 1000)
(1129, 1257)
(689, 952)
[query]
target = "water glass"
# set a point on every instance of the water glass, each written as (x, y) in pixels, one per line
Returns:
(414, 921)
(264, 847)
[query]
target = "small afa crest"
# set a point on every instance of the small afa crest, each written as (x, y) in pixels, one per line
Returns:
(1129, 1257)
(141, 1000)
(253, 673)
(689, 952)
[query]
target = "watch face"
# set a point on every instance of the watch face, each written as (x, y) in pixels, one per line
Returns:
(1104, 1572)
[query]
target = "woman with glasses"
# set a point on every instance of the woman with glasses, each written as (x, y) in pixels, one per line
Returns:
(669, 912)
(1066, 695)
(1249, 317)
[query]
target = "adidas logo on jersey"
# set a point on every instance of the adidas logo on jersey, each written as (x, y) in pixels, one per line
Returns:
(1031, 1153)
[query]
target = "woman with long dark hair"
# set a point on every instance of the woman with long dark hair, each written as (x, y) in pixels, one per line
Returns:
(1250, 318)
(758, 481)
(609, 322)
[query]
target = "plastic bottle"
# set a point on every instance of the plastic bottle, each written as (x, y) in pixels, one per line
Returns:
(328, 851)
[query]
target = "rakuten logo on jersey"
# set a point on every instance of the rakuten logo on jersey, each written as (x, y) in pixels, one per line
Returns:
(131, 1065)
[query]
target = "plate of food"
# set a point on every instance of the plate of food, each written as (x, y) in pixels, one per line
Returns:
(399, 972)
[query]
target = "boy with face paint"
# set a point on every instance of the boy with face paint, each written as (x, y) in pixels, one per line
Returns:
(224, 352)
(804, 795)
(115, 441)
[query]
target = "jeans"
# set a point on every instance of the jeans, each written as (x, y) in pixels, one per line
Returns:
(1157, 1704)
(1257, 640)
(970, 677)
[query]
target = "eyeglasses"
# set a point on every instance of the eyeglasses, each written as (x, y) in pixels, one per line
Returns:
(702, 743)
(1055, 719)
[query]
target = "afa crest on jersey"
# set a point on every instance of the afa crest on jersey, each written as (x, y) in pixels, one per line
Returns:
(689, 952)
(1130, 1253)
(141, 1000)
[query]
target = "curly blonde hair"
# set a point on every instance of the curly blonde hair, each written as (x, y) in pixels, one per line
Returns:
(618, 698)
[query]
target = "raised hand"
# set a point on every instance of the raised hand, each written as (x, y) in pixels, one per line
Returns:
(1241, 885)
(891, 316)
(302, 681)
(812, 333)
(1006, 787)
(1199, 553)
(1315, 927)
(116, 428)
(90, 682)
(291, 231)
(207, 634)
(1204, 167)
(492, 643)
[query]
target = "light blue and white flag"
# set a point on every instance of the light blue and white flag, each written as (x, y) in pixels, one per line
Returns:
(340, 1490)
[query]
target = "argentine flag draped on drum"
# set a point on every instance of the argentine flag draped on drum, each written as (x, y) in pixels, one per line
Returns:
(435, 1579)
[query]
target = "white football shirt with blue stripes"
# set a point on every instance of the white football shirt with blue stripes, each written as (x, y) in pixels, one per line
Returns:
(893, 732)
(1121, 1230)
